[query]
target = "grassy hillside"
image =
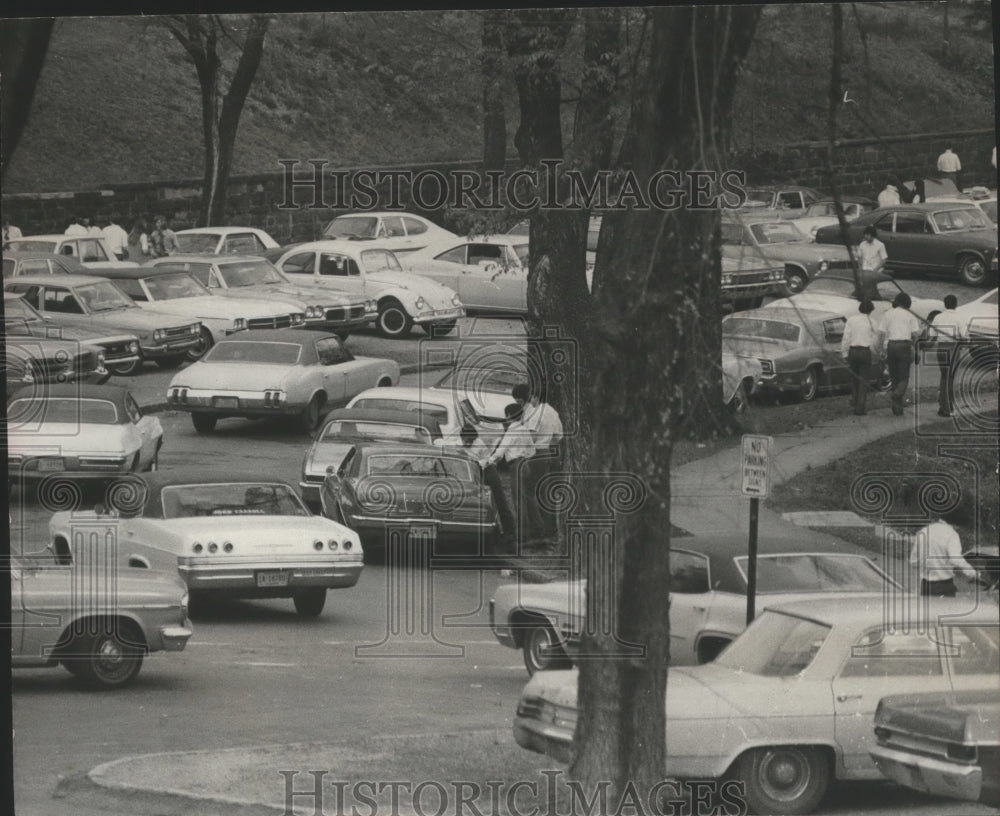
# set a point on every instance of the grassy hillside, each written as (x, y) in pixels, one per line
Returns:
(118, 99)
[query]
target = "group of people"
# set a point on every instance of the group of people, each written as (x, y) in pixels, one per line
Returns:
(949, 165)
(138, 244)
(530, 448)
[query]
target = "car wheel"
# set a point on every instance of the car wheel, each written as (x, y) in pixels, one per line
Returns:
(795, 281)
(171, 362)
(971, 270)
(311, 414)
(442, 329)
(810, 383)
(393, 321)
(309, 602)
(784, 779)
(542, 650)
(125, 369)
(205, 342)
(111, 658)
(204, 423)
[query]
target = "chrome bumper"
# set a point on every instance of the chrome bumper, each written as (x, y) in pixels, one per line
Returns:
(928, 774)
(175, 638)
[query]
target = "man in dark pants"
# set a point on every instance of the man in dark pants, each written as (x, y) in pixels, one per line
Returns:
(947, 332)
(475, 448)
(859, 346)
(936, 554)
(899, 331)
(546, 431)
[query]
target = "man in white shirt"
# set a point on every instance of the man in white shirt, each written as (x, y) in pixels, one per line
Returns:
(10, 232)
(948, 165)
(117, 238)
(899, 330)
(77, 227)
(871, 252)
(859, 347)
(889, 197)
(546, 429)
(515, 448)
(936, 554)
(947, 331)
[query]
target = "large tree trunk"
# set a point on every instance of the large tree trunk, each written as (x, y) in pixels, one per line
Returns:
(23, 45)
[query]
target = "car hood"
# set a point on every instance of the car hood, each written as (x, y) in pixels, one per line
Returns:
(70, 439)
(140, 321)
(806, 251)
(209, 306)
(232, 376)
(742, 258)
(432, 291)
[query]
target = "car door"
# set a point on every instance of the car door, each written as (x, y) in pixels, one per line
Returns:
(881, 662)
(913, 242)
(340, 272)
(690, 604)
(60, 300)
(488, 280)
(446, 268)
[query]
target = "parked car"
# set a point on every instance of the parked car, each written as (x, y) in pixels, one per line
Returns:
(274, 373)
(981, 198)
(403, 299)
(781, 197)
(486, 388)
(71, 301)
(226, 535)
(224, 241)
(741, 377)
(945, 742)
(89, 250)
(780, 243)
(38, 362)
(798, 348)
(450, 410)
(176, 292)
(22, 320)
(98, 631)
(79, 429)
(823, 213)
(934, 188)
(40, 263)
(243, 277)
(416, 491)
(397, 231)
(930, 237)
(708, 583)
(523, 228)
(348, 427)
(788, 706)
(836, 291)
(490, 273)
(980, 320)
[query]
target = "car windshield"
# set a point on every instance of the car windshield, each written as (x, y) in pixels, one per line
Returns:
(777, 233)
(59, 409)
(174, 287)
(375, 431)
(33, 246)
(352, 227)
(759, 328)
(198, 243)
(775, 645)
(488, 380)
(831, 286)
(104, 297)
(438, 412)
(249, 273)
(958, 220)
(814, 572)
(427, 467)
(263, 353)
(239, 499)
(375, 259)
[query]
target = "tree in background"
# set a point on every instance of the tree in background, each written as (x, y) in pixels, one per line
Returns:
(201, 36)
(23, 45)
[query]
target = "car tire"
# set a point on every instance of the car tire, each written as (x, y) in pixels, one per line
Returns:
(541, 650)
(442, 329)
(795, 281)
(205, 342)
(784, 779)
(111, 659)
(309, 603)
(172, 361)
(972, 270)
(311, 415)
(125, 369)
(204, 423)
(810, 383)
(393, 320)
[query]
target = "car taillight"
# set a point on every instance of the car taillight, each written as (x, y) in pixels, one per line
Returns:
(197, 548)
(228, 547)
(213, 547)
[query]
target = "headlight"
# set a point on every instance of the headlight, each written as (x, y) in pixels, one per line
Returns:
(158, 335)
(777, 274)
(823, 266)
(100, 359)
(313, 312)
(133, 347)
(727, 280)
(194, 328)
(371, 306)
(239, 324)
(456, 300)
(421, 304)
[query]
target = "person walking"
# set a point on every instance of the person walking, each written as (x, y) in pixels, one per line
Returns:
(476, 449)
(899, 330)
(872, 254)
(936, 555)
(547, 431)
(947, 332)
(117, 238)
(860, 348)
(949, 165)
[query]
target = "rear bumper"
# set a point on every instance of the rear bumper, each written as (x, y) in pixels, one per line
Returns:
(168, 349)
(242, 578)
(928, 774)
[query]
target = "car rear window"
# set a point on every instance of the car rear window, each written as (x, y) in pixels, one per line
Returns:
(428, 467)
(267, 353)
(757, 327)
(438, 412)
(55, 409)
(375, 431)
(239, 499)
(775, 645)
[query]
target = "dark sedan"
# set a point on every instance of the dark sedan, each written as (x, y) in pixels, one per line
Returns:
(413, 494)
(932, 237)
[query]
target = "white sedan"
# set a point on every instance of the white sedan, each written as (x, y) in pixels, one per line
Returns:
(451, 413)
(89, 250)
(979, 319)
(224, 241)
(400, 232)
(788, 707)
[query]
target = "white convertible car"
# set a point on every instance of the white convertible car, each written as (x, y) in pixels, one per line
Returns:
(223, 533)
(79, 429)
(788, 707)
(284, 372)
(403, 299)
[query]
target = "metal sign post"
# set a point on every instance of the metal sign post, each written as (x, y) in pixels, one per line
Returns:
(755, 483)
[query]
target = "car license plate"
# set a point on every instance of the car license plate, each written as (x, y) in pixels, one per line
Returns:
(51, 464)
(272, 578)
(227, 402)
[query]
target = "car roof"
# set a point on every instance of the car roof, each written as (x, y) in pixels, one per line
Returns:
(383, 415)
(136, 272)
(790, 314)
(299, 336)
(195, 257)
(112, 393)
(829, 610)
(68, 279)
(382, 213)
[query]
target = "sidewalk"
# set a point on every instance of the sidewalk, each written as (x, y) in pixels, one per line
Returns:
(705, 498)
